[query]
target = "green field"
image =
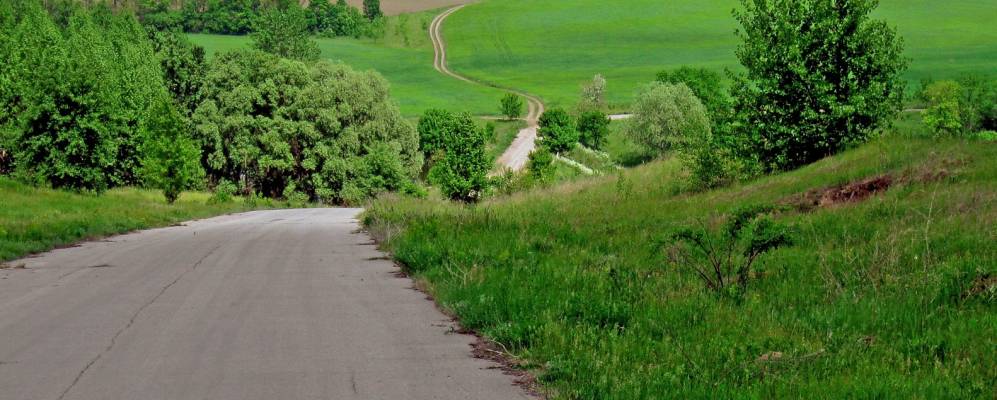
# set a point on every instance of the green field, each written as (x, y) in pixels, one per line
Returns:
(404, 56)
(550, 49)
(891, 297)
(35, 219)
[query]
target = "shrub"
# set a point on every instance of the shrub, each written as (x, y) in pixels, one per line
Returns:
(667, 116)
(541, 165)
(462, 171)
(284, 32)
(723, 260)
(593, 128)
(335, 133)
(989, 136)
(512, 106)
(978, 103)
(593, 96)
(171, 159)
(820, 75)
(557, 132)
(225, 191)
(943, 113)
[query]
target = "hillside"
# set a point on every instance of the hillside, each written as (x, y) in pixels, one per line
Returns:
(550, 49)
(888, 290)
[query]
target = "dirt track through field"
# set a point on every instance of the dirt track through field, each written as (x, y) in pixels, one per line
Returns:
(516, 156)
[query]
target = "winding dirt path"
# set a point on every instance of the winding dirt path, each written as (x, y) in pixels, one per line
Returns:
(516, 156)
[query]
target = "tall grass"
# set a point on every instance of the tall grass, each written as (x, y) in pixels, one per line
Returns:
(891, 297)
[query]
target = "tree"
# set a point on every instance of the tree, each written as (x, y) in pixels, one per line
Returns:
(541, 165)
(706, 85)
(284, 32)
(978, 103)
(667, 117)
(943, 113)
(171, 158)
(593, 128)
(333, 133)
(183, 66)
(512, 106)
(462, 172)
(372, 9)
(434, 127)
(821, 74)
(557, 132)
(593, 95)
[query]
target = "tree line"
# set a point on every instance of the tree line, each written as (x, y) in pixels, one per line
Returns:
(92, 100)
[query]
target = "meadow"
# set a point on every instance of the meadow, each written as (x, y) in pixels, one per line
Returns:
(551, 49)
(38, 219)
(888, 297)
(404, 56)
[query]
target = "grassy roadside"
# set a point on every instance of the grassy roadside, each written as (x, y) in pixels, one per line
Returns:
(891, 297)
(34, 220)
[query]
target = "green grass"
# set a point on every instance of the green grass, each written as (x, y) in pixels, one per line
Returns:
(550, 49)
(875, 299)
(34, 220)
(404, 56)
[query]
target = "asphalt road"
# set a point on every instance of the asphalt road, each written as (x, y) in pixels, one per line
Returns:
(290, 304)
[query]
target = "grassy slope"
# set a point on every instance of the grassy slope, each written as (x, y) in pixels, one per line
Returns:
(404, 56)
(551, 48)
(34, 220)
(869, 302)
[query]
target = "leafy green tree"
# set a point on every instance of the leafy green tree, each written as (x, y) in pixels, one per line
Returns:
(978, 103)
(593, 128)
(541, 165)
(171, 158)
(284, 32)
(183, 66)
(434, 127)
(820, 74)
(943, 113)
(372, 9)
(667, 117)
(557, 131)
(334, 133)
(462, 172)
(512, 106)
(706, 85)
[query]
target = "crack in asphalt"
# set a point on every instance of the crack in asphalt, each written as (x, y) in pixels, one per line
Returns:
(131, 321)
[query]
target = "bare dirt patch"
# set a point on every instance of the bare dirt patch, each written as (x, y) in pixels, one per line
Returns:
(852, 192)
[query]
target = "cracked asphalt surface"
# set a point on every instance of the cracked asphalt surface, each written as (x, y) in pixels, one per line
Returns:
(286, 304)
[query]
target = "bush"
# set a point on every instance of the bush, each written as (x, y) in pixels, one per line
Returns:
(723, 260)
(462, 171)
(666, 117)
(989, 136)
(334, 133)
(943, 113)
(557, 132)
(284, 32)
(820, 75)
(512, 106)
(541, 165)
(978, 103)
(593, 128)
(225, 191)
(171, 159)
